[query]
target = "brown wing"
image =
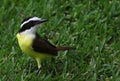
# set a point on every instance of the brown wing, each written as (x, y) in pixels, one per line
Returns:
(43, 46)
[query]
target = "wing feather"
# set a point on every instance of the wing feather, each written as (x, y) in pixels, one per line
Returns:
(43, 46)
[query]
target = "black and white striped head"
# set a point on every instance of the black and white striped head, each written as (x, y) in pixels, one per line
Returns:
(29, 24)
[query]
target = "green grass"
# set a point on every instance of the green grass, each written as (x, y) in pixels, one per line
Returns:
(93, 27)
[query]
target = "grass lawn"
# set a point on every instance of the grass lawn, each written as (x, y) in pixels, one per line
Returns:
(93, 27)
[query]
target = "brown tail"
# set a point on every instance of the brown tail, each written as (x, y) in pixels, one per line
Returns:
(65, 48)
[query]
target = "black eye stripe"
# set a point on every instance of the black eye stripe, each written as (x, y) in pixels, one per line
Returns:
(28, 25)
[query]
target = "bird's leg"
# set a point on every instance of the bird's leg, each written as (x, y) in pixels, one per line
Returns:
(39, 65)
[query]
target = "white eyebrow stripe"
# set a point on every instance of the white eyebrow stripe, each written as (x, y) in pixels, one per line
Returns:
(31, 19)
(24, 23)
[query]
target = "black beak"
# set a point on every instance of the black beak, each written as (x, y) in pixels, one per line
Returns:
(39, 21)
(42, 20)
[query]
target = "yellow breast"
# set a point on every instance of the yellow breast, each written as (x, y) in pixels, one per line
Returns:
(25, 43)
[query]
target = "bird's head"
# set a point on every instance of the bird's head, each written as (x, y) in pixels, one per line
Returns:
(30, 24)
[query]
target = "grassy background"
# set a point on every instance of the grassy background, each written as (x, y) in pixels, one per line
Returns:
(93, 27)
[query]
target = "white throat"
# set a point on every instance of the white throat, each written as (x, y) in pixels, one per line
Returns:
(30, 31)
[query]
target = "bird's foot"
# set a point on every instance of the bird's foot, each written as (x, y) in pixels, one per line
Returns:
(38, 71)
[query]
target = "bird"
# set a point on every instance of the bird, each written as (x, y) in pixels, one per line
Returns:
(32, 44)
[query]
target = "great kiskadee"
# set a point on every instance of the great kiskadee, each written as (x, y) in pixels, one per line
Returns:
(32, 44)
